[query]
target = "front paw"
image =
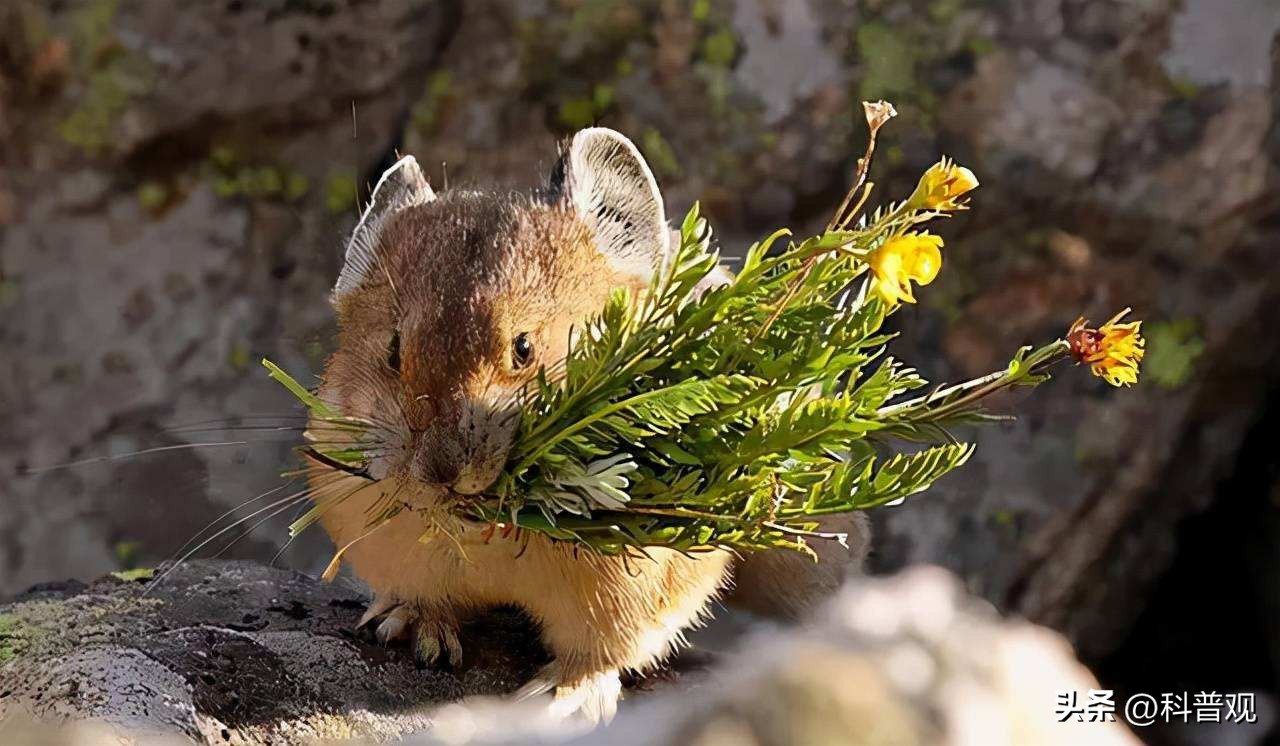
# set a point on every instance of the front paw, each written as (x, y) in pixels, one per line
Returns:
(432, 630)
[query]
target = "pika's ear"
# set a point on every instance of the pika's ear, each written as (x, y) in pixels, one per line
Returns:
(401, 186)
(606, 181)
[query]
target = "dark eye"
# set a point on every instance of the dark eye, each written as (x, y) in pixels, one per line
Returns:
(393, 351)
(521, 351)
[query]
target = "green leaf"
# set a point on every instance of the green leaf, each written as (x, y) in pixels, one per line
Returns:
(694, 419)
(304, 395)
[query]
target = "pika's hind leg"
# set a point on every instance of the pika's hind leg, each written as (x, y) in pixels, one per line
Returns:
(613, 614)
(785, 584)
(432, 628)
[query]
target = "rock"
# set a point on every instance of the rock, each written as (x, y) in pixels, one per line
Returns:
(909, 659)
(178, 205)
(1128, 154)
(234, 652)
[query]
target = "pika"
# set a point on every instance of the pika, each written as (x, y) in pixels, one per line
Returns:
(448, 304)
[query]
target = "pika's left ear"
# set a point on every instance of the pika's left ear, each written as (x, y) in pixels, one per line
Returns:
(606, 181)
(402, 186)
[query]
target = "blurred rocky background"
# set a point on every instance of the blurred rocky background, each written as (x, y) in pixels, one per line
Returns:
(175, 185)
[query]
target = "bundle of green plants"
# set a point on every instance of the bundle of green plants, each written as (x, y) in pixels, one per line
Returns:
(736, 416)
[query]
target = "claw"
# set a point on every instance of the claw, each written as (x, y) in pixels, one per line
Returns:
(434, 632)
(435, 638)
(428, 649)
(542, 682)
(381, 605)
(395, 624)
(593, 698)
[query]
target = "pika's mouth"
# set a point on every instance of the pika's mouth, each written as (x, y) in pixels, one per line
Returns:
(466, 490)
(361, 471)
(477, 476)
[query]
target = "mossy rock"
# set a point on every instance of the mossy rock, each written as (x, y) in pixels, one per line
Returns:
(234, 651)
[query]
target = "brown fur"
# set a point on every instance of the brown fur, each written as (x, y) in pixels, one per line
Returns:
(460, 277)
(456, 278)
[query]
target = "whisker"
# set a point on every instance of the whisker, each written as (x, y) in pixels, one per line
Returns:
(270, 423)
(236, 428)
(324, 510)
(232, 512)
(241, 418)
(276, 557)
(254, 527)
(134, 454)
(303, 494)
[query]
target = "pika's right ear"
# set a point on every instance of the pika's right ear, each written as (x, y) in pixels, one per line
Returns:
(602, 176)
(401, 186)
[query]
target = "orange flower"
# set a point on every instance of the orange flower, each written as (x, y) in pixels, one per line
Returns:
(1112, 351)
(911, 257)
(942, 185)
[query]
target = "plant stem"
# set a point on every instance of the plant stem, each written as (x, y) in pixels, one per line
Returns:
(978, 388)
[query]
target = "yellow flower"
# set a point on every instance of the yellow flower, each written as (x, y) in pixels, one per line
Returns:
(941, 185)
(900, 261)
(1112, 351)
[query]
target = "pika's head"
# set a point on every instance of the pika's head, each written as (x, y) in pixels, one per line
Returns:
(449, 304)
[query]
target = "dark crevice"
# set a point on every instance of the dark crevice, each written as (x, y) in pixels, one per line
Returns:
(1213, 622)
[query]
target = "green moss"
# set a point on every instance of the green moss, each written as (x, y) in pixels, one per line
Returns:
(607, 21)
(980, 46)
(584, 111)
(720, 48)
(127, 553)
(136, 575)
(232, 177)
(602, 97)
(9, 627)
(658, 152)
(296, 186)
(108, 89)
(90, 26)
(18, 631)
(426, 112)
(1184, 87)
(889, 60)
(899, 58)
(224, 187)
(1006, 521)
(340, 192)
(1172, 350)
(152, 195)
(581, 111)
(223, 157)
(238, 358)
(945, 11)
(110, 77)
(719, 85)
(40, 628)
(576, 113)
